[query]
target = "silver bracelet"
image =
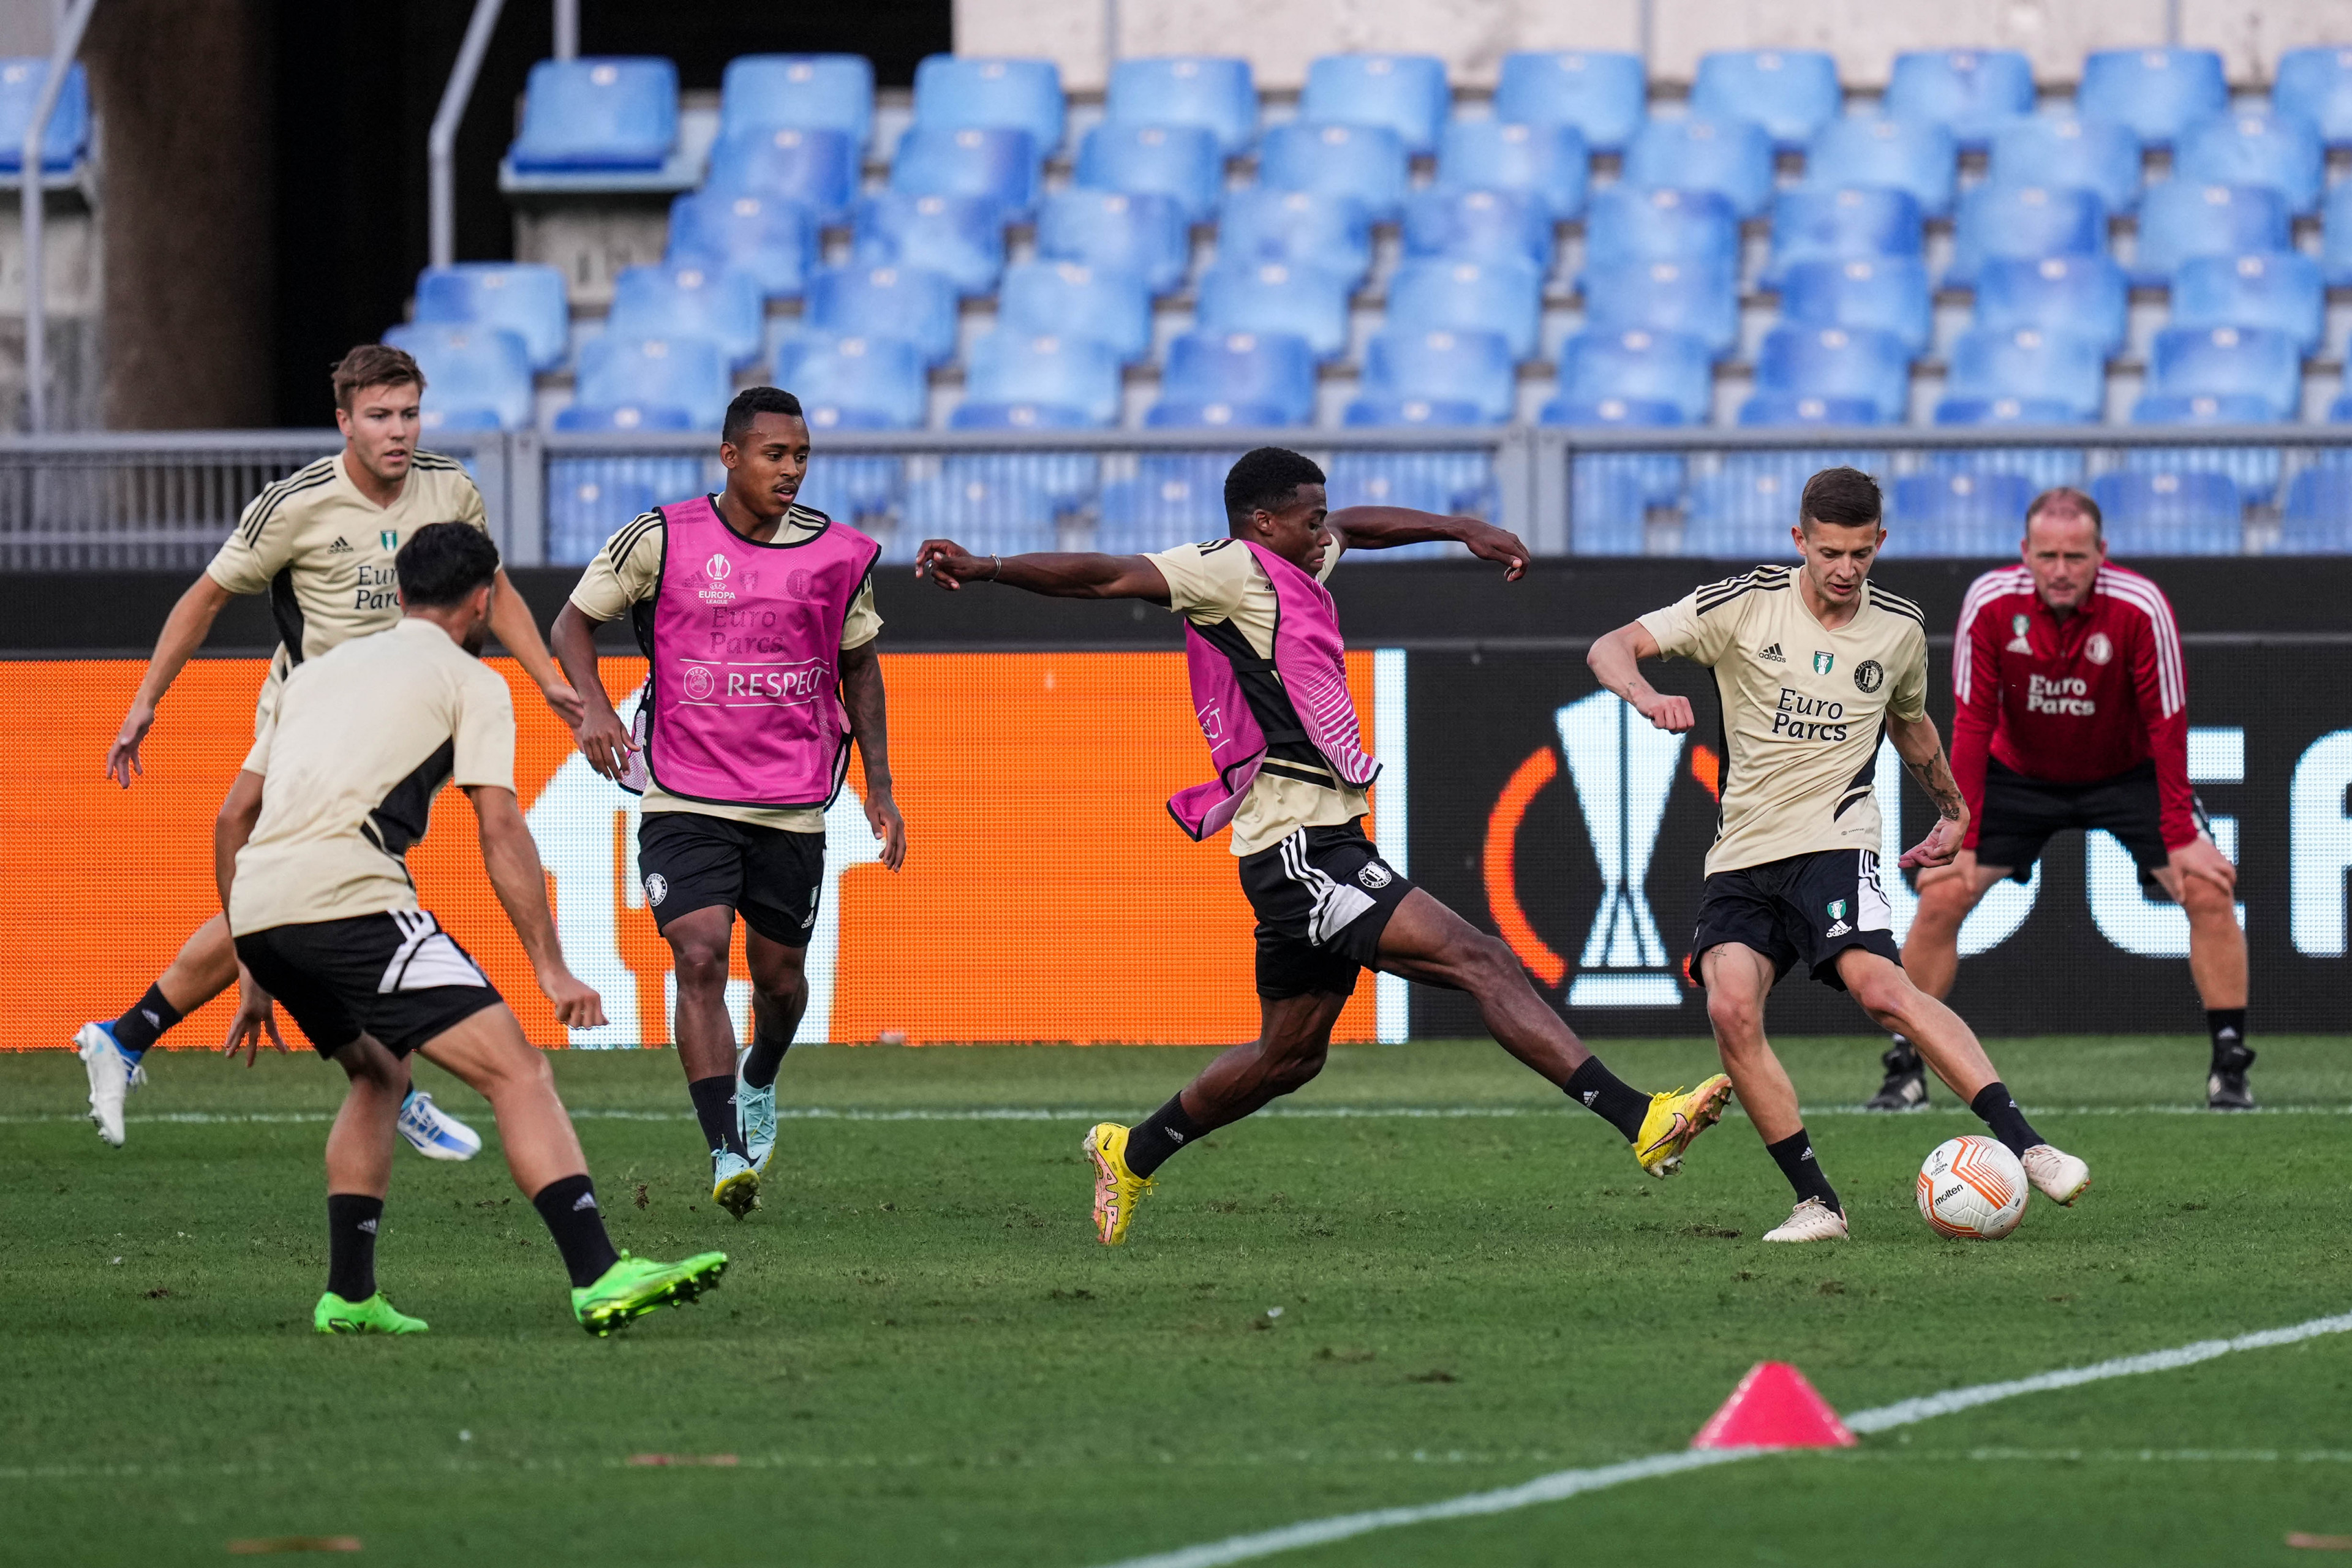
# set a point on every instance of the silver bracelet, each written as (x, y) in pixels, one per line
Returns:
(995, 567)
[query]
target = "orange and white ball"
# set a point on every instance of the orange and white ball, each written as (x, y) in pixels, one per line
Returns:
(1973, 1188)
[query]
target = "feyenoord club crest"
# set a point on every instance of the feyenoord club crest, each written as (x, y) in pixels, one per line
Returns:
(1821, 662)
(1869, 675)
(2097, 649)
(2018, 642)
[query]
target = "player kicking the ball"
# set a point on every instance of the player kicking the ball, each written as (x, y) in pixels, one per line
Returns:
(1811, 663)
(1270, 690)
(314, 880)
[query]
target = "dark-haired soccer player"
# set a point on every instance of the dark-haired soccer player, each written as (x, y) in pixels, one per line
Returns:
(1270, 690)
(321, 543)
(317, 890)
(1811, 665)
(756, 616)
(2073, 712)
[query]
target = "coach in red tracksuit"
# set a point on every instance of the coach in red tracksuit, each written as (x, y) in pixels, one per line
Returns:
(2072, 710)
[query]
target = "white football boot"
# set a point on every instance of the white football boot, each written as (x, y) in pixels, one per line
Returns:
(434, 1133)
(112, 1075)
(1812, 1220)
(2055, 1174)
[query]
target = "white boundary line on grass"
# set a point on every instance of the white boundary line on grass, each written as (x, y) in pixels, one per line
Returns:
(1569, 1483)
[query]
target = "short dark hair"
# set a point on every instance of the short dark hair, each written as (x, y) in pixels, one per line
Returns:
(1842, 497)
(749, 404)
(2067, 499)
(443, 562)
(1266, 480)
(374, 364)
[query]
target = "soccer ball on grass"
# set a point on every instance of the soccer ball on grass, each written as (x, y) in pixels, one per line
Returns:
(1973, 1188)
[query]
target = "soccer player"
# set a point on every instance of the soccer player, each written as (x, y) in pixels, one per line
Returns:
(2071, 711)
(757, 618)
(1811, 665)
(321, 543)
(316, 887)
(1270, 692)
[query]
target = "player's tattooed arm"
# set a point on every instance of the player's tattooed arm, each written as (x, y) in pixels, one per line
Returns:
(870, 720)
(1616, 663)
(1057, 575)
(1387, 527)
(1922, 750)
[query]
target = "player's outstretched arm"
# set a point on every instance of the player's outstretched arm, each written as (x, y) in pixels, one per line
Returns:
(1057, 575)
(511, 858)
(1616, 661)
(1922, 750)
(1387, 527)
(604, 738)
(184, 630)
(870, 720)
(512, 624)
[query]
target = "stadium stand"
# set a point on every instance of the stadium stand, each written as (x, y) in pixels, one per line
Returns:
(2315, 85)
(1104, 306)
(2159, 93)
(1604, 96)
(1321, 229)
(1276, 297)
(67, 140)
(868, 383)
(799, 92)
(814, 166)
(1790, 93)
(1862, 364)
(1144, 236)
(1848, 224)
(768, 239)
(1366, 161)
(480, 375)
(1732, 158)
(1216, 95)
(1917, 156)
(597, 114)
(1548, 162)
(2084, 295)
(1480, 226)
(527, 299)
(954, 92)
(2278, 152)
(2102, 156)
(2180, 220)
(992, 163)
(1183, 162)
(904, 303)
(2279, 289)
(960, 239)
(1972, 93)
(2023, 221)
(1405, 93)
(1889, 293)
(1696, 299)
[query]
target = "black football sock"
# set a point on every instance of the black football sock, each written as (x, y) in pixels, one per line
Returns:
(352, 1221)
(152, 1016)
(568, 1205)
(1998, 1112)
(1609, 1097)
(1158, 1135)
(714, 1107)
(773, 1028)
(2228, 1027)
(1794, 1155)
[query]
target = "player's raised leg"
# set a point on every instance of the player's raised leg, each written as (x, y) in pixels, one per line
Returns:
(1739, 979)
(779, 997)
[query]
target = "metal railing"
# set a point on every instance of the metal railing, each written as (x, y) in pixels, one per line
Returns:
(100, 502)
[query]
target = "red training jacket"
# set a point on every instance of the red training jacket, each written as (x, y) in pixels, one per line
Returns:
(2071, 701)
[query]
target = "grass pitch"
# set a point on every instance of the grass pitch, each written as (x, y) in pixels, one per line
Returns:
(920, 1354)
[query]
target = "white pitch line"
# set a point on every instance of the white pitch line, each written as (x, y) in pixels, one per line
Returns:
(1569, 1483)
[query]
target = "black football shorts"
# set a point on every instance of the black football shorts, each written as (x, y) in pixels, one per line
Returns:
(398, 976)
(1805, 909)
(1323, 897)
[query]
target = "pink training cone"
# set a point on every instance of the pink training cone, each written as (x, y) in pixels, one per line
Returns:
(1774, 1407)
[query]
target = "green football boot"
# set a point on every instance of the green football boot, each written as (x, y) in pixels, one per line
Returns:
(636, 1286)
(333, 1315)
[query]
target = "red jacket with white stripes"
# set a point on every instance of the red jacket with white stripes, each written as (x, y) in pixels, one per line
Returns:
(2071, 700)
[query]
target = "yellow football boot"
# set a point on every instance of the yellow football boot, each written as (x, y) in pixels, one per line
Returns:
(1675, 1119)
(1117, 1189)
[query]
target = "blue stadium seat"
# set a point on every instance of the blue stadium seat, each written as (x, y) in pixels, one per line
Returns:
(1050, 368)
(2215, 362)
(2029, 363)
(1470, 369)
(1320, 229)
(1905, 154)
(2147, 513)
(2030, 221)
(1388, 478)
(1969, 92)
(2084, 295)
(1974, 411)
(1068, 480)
(668, 302)
(2281, 290)
(1068, 297)
(870, 383)
(1392, 410)
(2158, 93)
(1742, 512)
(1366, 161)
(1144, 236)
(993, 164)
(1781, 410)
(970, 416)
(771, 241)
(1699, 300)
(1504, 297)
(989, 515)
(2248, 147)
(798, 92)
(1547, 163)
(1156, 511)
(905, 304)
(590, 499)
(1407, 93)
(597, 114)
(1628, 227)
(2102, 156)
(1271, 371)
(1887, 292)
(1479, 226)
(1792, 93)
(962, 238)
(1277, 297)
(1838, 362)
(2042, 467)
(525, 298)
(1198, 414)
(1183, 162)
(67, 140)
(1958, 514)
(954, 92)
(2180, 220)
(1846, 224)
(688, 374)
(472, 371)
(815, 167)
(1598, 413)
(2336, 237)
(2318, 515)
(621, 419)
(1732, 158)
(845, 487)
(1216, 94)
(2253, 470)
(2312, 84)
(1639, 367)
(1604, 96)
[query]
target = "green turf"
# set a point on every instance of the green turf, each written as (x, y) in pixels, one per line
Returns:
(920, 1354)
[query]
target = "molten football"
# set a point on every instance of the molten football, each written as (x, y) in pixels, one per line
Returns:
(1973, 1187)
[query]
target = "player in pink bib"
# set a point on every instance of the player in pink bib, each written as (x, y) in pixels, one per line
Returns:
(1292, 782)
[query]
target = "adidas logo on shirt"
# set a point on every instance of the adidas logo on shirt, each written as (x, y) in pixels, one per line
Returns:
(1773, 656)
(341, 546)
